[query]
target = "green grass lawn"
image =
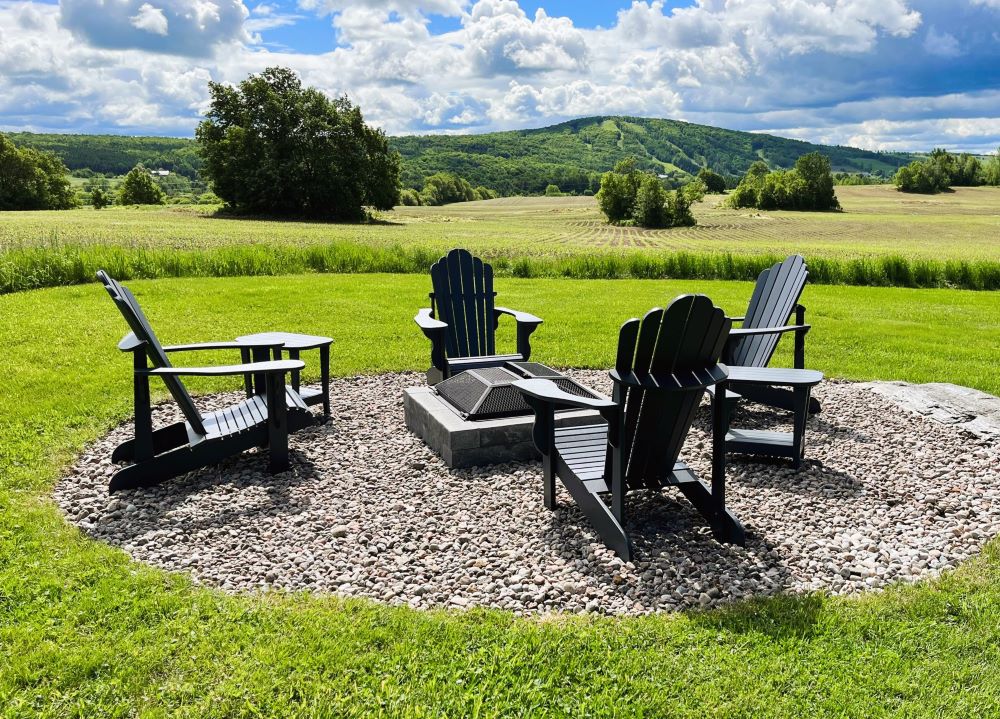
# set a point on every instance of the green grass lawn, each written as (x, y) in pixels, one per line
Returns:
(86, 632)
(882, 237)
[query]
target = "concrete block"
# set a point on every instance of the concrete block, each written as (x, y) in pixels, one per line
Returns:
(462, 443)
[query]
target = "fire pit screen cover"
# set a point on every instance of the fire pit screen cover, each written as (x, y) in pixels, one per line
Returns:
(487, 392)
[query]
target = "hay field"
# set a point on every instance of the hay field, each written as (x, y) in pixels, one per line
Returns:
(876, 221)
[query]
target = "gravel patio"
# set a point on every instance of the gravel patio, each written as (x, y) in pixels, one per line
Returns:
(883, 496)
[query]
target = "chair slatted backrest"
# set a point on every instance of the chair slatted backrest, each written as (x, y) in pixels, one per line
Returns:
(463, 297)
(774, 298)
(128, 305)
(688, 335)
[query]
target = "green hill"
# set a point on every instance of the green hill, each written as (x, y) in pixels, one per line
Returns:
(571, 154)
(116, 154)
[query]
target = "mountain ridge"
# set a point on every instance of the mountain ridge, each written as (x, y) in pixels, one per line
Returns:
(570, 154)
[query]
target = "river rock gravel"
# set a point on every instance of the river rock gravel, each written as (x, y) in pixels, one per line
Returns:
(366, 510)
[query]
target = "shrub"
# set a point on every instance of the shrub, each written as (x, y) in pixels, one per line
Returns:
(694, 191)
(857, 178)
(485, 193)
(443, 188)
(631, 197)
(409, 197)
(272, 147)
(940, 171)
(923, 177)
(99, 198)
(967, 171)
(552, 191)
(138, 188)
(809, 186)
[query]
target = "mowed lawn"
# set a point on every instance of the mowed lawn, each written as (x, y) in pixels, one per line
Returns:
(86, 632)
(877, 221)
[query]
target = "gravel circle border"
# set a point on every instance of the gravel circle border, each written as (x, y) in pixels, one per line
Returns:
(366, 510)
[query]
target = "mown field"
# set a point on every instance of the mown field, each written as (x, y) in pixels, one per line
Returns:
(883, 237)
(86, 632)
(877, 220)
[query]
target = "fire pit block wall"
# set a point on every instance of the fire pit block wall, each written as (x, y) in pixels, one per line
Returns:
(464, 443)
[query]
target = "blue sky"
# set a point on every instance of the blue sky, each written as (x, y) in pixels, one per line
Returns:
(881, 74)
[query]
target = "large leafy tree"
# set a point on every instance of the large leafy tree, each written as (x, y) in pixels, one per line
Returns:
(32, 180)
(138, 188)
(714, 182)
(814, 170)
(271, 146)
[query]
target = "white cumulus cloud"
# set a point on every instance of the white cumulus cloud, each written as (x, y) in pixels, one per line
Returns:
(151, 19)
(863, 72)
(499, 38)
(182, 27)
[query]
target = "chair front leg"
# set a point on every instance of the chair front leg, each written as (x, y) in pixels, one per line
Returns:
(277, 423)
(615, 418)
(247, 378)
(439, 366)
(143, 447)
(800, 415)
(543, 435)
(800, 338)
(720, 427)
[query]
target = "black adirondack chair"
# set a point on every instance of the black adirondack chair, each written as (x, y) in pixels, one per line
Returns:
(665, 363)
(462, 320)
(262, 420)
(775, 299)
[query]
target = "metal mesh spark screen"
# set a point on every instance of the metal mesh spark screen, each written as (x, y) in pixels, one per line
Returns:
(487, 392)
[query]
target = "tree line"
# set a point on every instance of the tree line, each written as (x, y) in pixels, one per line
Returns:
(943, 170)
(572, 155)
(115, 155)
(631, 196)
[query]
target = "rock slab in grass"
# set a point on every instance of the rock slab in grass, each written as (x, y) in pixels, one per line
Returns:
(366, 510)
(969, 409)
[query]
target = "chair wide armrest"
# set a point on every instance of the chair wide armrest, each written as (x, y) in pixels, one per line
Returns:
(131, 343)
(426, 322)
(520, 317)
(674, 381)
(224, 345)
(548, 391)
(275, 367)
(768, 330)
(526, 324)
